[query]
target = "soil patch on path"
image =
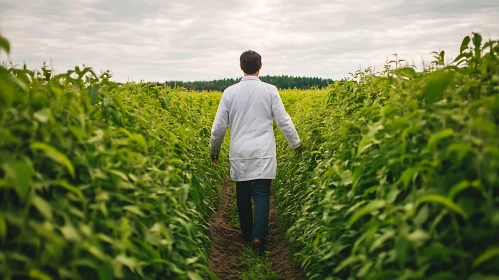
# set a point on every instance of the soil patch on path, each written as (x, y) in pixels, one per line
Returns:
(226, 250)
(279, 253)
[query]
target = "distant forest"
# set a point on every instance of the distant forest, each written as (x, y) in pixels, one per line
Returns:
(281, 82)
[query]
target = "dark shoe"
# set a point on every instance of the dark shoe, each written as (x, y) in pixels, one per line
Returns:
(247, 241)
(246, 238)
(258, 246)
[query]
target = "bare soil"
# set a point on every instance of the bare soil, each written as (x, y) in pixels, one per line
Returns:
(279, 253)
(228, 243)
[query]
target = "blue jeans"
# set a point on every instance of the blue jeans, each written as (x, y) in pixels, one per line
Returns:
(259, 190)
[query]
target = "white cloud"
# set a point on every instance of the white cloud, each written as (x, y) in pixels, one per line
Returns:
(192, 40)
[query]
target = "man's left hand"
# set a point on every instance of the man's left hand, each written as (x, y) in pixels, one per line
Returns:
(214, 158)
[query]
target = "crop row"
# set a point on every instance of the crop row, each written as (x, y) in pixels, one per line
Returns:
(400, 176)
(100, 181)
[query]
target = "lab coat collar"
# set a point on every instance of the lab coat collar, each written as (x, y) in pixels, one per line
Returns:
(250, 78)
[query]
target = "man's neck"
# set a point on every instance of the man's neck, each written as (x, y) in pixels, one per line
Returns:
(254, 75)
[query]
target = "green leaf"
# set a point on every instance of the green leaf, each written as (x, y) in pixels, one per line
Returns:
(392, 195)
(38, 274)
(95, 251)
(422, 215)
(48, 74)
(409, 175)
(489, 44)
(204, 132)
(137, 138)
(464, 44)
(210, 273)
(349, 261)
(460, 58)
(364, 144)
(461, 186)
(435, 198)
(418, 236)
(55, 155)
(129, 262)
(477, 43)
(173, 267)
(19, 175)
(105, 272)
(43, 115)
(316, 241)
(119, 174)
(380, 240)
(437, 137)
(4, 44)
(437, 251)
(69, 232)
(93, 91)
(373, 205)
(436, 84)
(401, 249)
(6, 94)
(480, 276)
(134, 209)
(460, 149)
(22, 81)
(194, 275)
(365, 269)
(484, 125)
(69, 187)
(3, 228)
(191, 260)
(487, 255)
(42, 206)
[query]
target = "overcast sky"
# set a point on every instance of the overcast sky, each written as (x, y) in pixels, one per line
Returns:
(158, 40)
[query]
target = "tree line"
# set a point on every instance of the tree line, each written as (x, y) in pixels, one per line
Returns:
(281, 82)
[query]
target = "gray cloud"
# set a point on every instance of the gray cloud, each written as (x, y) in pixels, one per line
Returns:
(191, 40)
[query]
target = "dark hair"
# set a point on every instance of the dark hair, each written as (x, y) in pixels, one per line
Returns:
(251, 62)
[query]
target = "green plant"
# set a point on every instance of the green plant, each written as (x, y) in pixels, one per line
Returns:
(102, 181)
(255, 266)
(400, 177)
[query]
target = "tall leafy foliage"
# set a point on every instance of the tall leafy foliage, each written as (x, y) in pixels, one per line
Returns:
(99, 181)
(398, 181)
(400, 178)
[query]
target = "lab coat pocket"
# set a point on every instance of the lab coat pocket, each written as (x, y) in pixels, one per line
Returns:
(237, 169)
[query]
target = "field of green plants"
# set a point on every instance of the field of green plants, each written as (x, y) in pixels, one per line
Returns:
(398, 180)
(400, 177)
(103, 182)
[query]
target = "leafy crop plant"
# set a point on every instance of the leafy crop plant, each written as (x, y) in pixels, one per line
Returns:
(400, 176)
(100, 181)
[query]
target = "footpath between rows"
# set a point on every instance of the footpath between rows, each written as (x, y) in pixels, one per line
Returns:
(231, 259)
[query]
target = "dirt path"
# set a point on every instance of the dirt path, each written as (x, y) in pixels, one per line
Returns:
(278, 251)
(226, 250)
(225, 253)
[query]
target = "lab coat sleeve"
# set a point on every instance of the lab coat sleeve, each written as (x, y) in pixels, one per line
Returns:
(220, 125)
(283, 121)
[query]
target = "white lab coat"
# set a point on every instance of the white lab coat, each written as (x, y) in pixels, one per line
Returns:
(249, 108)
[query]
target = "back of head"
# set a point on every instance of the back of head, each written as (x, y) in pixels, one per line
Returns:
(251, 62)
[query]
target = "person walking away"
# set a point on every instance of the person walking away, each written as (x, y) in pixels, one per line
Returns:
(249, 108)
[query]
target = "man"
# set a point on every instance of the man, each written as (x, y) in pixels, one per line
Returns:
(249, 108)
